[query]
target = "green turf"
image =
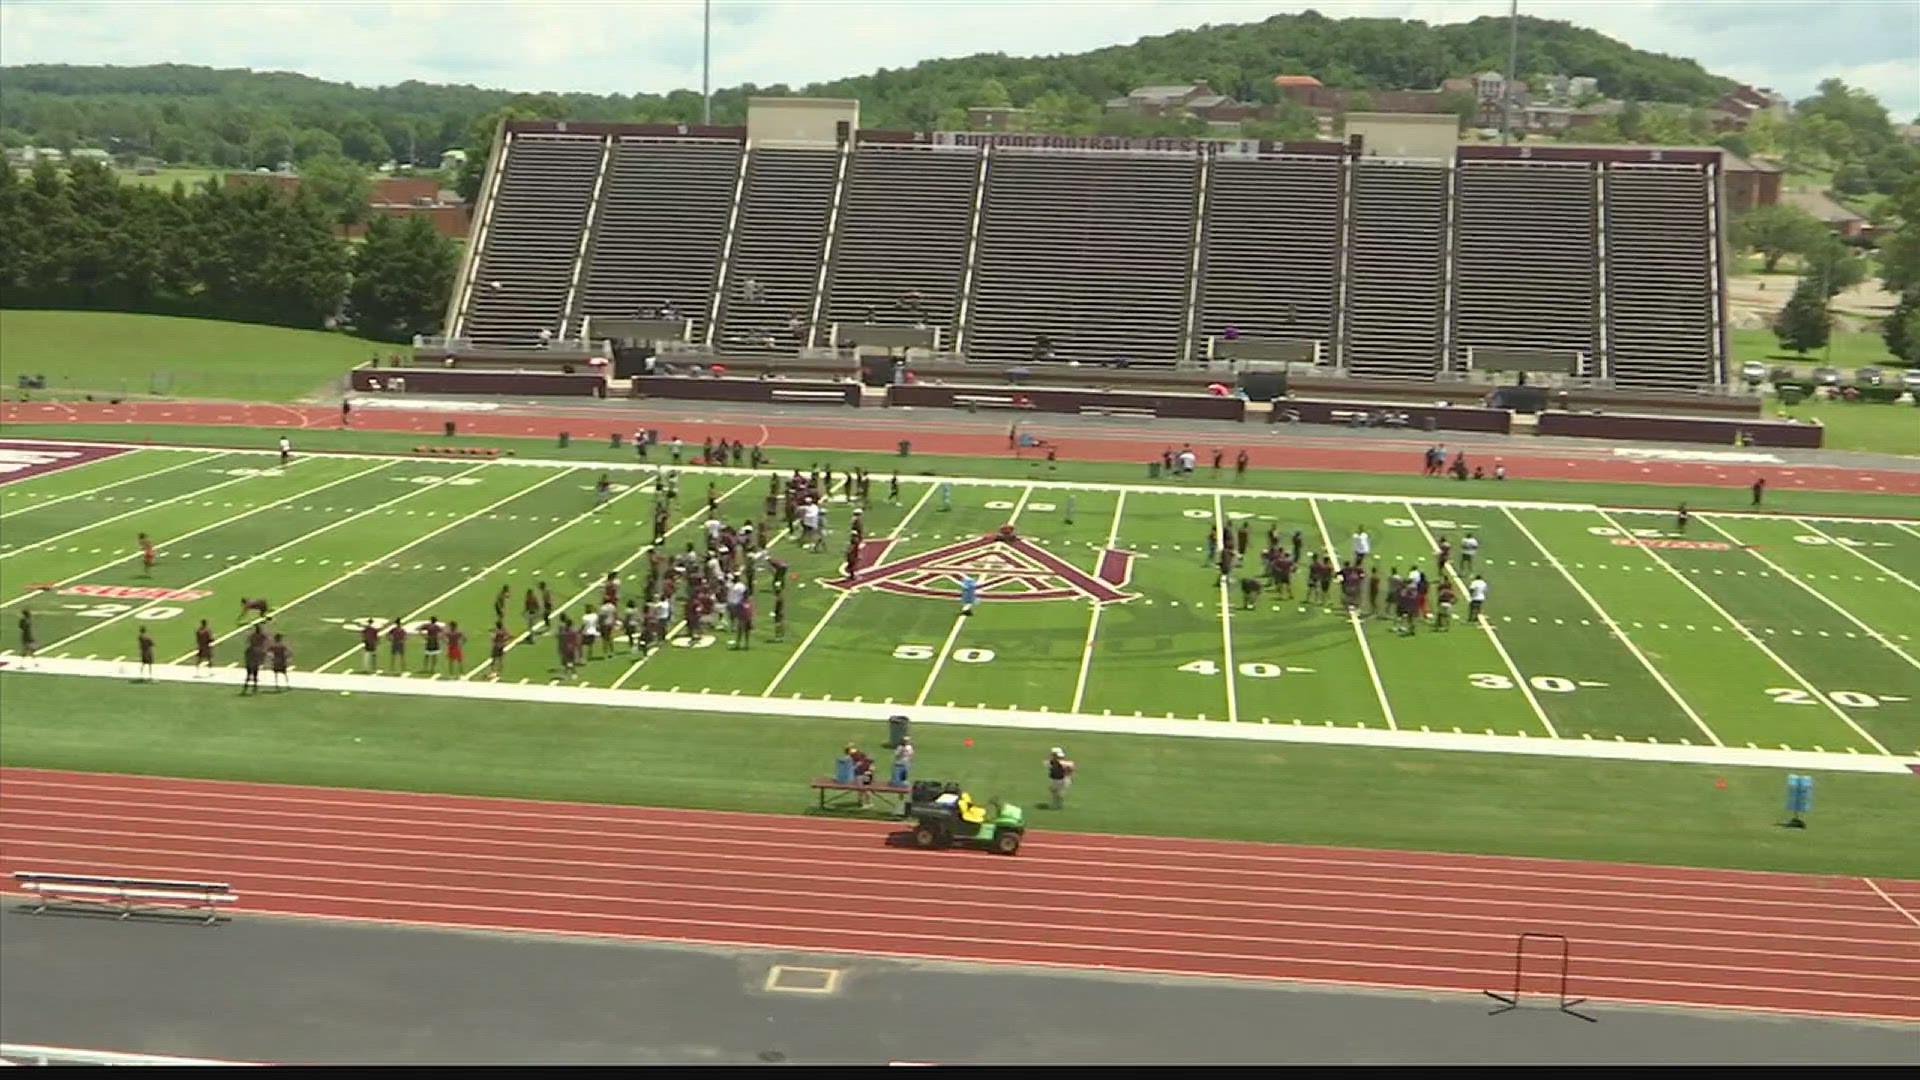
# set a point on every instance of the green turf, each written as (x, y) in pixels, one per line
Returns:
(1850, 349)
(117, 353)
(166, 178)
(1321, 795)
(1884, 428)
(1734, 496)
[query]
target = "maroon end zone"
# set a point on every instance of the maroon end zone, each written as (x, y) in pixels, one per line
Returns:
(22, 461)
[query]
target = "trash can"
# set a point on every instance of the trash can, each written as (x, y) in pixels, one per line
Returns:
(564, 440)
(1430, 423)
(906, 447)
(450, 429)
(1153, 470)
(653, 436)
(898, 730)
(843, 770)
(615, 440)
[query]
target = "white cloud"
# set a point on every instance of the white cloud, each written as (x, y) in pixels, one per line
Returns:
(654, 45)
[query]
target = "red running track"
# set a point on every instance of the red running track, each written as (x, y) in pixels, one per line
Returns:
(841, 432)
(1731, 939)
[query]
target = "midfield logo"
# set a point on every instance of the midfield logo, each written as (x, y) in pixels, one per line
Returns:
(1006, 569)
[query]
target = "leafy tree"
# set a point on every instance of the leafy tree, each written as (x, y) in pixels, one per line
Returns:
(402, 277)
(312, 143)
(269, 147)
(1777, 231)
(341, 187)
(1805, 323)
(1850, 109)
(1900, 252)
(1901, 329)
(1832, 264)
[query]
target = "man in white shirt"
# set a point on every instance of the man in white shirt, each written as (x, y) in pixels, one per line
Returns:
(1476, 596)
(1362, 546)
(713, 532)
(286, 449)
(1469, 547)
(809, 521)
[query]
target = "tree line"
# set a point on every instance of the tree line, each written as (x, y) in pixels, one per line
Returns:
(246, 119)
(79, 238)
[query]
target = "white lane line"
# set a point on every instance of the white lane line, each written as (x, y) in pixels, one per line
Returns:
(241, 563)
(104, 487)
(839, 600)
(667, 637)
(1816, 594)
(1908, 529)
(1493, 635)
(490, 508)
(1618, 633)
(697, 515)
(1915, 920)
(1751, 637)
(148, 508)
(1226, 612)
(1359, 631)
(1855, 552)
(170, 541)
(1093, 620)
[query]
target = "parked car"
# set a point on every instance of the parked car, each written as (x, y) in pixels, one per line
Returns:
(1782, 373)
(1911, 377)
(1868, 376)
(1826, 376)
(1754, 372)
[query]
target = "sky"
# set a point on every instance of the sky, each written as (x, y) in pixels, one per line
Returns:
(629, 46)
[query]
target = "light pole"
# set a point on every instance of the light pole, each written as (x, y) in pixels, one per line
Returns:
(706, 63)
(1513, 61)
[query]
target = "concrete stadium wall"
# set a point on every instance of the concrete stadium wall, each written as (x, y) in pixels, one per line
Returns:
(1624, 427)
(1041, 399)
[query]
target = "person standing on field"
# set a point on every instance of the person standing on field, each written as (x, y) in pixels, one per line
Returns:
(1059, 776)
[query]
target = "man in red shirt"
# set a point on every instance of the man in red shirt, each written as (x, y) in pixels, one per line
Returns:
(146, 555)
(498, 657)
(397, 645)
(369, 646)
(280, 654)
(456, 649)
(203, 647)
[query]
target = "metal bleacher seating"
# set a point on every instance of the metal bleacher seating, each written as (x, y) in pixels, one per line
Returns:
(1092, 250)
(1660, 241)
(539, 210)
(1526, 263)
(904, 221)
(662, 228)
(1270, 249)
(1396, 268)
(778, 241)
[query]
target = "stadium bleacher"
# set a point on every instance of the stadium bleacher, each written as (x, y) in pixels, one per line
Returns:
(528, 239)
(1146, 251)
(779, 239)
(662, 227)
(905, 221)
(1270, 249)
(1090, 249)
(1525, 258)
(1663, 304)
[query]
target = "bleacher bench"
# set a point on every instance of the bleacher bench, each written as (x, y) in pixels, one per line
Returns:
(783, 394)
(129, 896)
(1144, 412)
(842, 795)
(989, 401)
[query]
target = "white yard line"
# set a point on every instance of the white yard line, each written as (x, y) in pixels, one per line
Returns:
(1911, 917)
(1064, 485)
(105, 487)
(146, 509)
(1359, 630)
(276, 549)
(1908, 529)
(1618, 633)
(170, 541)
(946, 648)
(1742, 630)
(803, 709)
(1093, 620)
(567, 605)
(667, 637)
(1226, 612)
(940, 660)
(1513, 669)
(371, 563)
(1815, 593)
(1855, 552)
(839, 600)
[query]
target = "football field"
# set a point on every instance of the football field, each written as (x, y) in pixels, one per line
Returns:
(1743, 631)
